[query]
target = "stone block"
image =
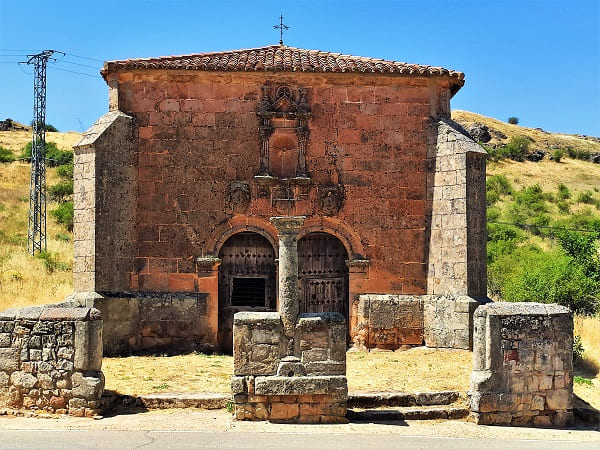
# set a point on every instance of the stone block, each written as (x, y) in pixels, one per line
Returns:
(9, 359)
(87, 387)
(284, 411)
(23, 379)
(275, 385)
(88, 345)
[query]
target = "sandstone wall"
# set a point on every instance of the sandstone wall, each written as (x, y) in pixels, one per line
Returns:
(522, 365)
(50, 360)
(198, 133)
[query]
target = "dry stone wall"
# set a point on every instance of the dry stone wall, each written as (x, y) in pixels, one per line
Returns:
(50, 360)
(523, 365)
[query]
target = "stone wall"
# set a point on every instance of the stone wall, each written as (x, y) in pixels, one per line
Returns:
(50, 360)
(392, 321)
(148, 321)
(105, 205)
(298, 380)
(456, 213)
(198, 135)
(522, 365)
(389, 321)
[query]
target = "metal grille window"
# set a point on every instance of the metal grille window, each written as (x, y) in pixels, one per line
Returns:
(248, 292)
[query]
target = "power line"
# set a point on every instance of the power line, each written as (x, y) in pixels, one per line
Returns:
(526, 225)
(84, 57)
(78, 64)
(72, 71)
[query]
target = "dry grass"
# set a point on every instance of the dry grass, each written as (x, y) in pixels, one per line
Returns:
(418, 369)
(588, 368)
(25, 280)
(577, 175)
(16, 140)
(542, 139)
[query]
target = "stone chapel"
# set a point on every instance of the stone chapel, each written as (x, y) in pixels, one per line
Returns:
(177, 185)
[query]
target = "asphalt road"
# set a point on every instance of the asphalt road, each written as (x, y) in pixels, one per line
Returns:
(147, 440)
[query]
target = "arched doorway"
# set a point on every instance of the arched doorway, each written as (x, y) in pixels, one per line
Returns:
(246, 281)
(323, 274)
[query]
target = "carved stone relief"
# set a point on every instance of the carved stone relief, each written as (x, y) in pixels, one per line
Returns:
(238, 196)
(331, 199)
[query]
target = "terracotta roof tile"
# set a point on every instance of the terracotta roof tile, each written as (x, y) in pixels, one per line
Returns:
(280, 58)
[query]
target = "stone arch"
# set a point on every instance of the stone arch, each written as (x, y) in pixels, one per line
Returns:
(239, 224)
(349, 239)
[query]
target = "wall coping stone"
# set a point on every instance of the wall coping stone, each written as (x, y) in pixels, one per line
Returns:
(520, 308)
(277, 385)
(257, 317)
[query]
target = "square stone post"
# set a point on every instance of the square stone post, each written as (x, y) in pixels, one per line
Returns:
(287, 231)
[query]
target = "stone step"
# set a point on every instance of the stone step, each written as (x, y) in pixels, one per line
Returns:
(202, 400)
(208, 400)
(367, 400)
(410, 413)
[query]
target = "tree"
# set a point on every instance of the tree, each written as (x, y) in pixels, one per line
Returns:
(513, 120)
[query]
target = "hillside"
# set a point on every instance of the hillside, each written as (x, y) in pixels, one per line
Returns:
(541, 140)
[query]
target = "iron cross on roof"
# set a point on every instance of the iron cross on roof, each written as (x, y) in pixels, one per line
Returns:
(281, 27)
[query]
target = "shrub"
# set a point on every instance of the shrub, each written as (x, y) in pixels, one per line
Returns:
(557, 155)
(563, 207)
(61, 191)
(517, 148)
(513, 120)
(63, 237)
(563, 192)
(65, 171)
(64, 215)
(531, 275)
(491, 197)
(52, 263)
(47, 126)
(54, 156)
(6, 155)
(586, 197)
(499, 184)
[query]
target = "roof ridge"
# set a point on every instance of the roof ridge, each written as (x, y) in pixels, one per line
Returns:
(282, 58)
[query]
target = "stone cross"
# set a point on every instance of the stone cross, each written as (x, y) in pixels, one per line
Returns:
(287, 231)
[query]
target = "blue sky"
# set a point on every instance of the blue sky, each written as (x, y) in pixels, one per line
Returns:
(537, 60)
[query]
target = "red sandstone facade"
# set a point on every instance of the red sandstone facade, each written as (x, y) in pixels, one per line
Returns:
(214, 150)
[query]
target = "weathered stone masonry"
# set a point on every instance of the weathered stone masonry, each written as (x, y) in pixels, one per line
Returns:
(523, 365)
(196, 150)
(50, 360)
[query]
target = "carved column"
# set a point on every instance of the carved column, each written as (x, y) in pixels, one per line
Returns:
(302, 131)
(265, 131)
(287, 231)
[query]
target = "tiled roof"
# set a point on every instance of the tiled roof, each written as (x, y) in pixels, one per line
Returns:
(279, 58)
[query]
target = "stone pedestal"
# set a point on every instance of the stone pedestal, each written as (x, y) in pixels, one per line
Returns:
(522, 365)
(287, 228)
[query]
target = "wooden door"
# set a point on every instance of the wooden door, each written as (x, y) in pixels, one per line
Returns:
(323, 274)
(246, 281)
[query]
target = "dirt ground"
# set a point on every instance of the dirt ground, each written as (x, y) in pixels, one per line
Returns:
(417, 369)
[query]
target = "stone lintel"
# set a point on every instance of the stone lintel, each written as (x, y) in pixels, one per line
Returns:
(521, 308)
(358, 265)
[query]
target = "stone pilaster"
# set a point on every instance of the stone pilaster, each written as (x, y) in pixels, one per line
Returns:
(287, 229)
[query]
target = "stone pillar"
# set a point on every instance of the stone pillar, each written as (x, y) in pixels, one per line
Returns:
(522, 365)
(208, 281)
(287, 229)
